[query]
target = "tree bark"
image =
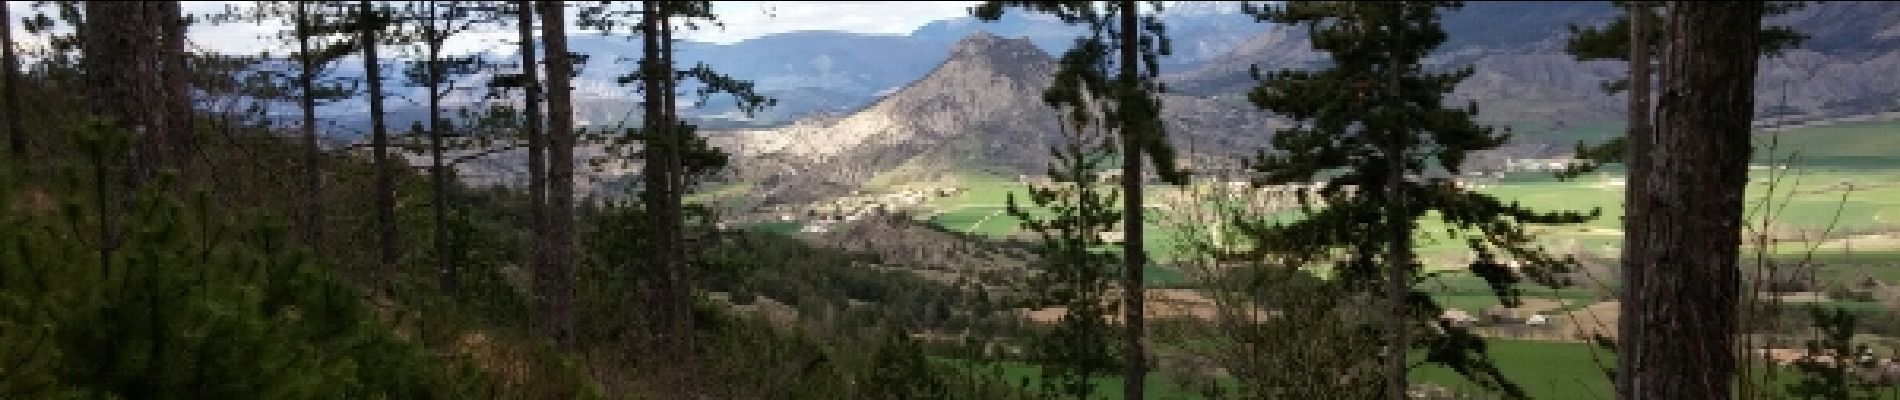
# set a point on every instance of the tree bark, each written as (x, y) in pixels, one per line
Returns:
(554, 285)
(16, 134)
(1693, 195)
(379, 140)
(1134, 375)
(679, 273)
(661, 170)
(1398, 244)
(537, 146)
(653, 168)
(1637, 162)
(121, 50)
(438, 172)
(180, 143)
(683, 275)
(313, 155)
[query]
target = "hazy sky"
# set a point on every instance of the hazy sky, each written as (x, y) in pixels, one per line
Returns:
(743, 20)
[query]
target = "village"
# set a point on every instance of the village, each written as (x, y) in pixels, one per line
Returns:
(1536, 318)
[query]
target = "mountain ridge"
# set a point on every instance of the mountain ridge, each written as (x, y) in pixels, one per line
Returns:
(979, 112)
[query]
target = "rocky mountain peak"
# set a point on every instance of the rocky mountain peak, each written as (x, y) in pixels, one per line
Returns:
(1012, 57)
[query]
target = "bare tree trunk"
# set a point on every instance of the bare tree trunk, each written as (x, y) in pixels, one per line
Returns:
(1135, 372)
(385, 178)
(1692, 194)
(654, 165)
(554, 285)
(180, 145)
(1398, 251)
(680, 272)
(313, 155)
(119, 50)
(16, 134)
(438, 172)
(537, 146)
(1636, 159)
(661, 173)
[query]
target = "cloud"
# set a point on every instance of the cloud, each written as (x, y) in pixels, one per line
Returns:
(751, 19)
(742, 20)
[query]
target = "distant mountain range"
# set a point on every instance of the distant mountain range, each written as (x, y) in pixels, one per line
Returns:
(962, 96)
(1523, 76)
(823, 72)
(1516, 47)
(980, 110)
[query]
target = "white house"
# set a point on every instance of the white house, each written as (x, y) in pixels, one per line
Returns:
(1457, 317)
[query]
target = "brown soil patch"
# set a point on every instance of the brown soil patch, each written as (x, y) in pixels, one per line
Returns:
(32, 201)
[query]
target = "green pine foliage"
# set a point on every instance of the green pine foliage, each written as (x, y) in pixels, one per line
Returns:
(184, 302)
(1373, 107)
(1834, 363)
(1074, 271)
(1105, 83)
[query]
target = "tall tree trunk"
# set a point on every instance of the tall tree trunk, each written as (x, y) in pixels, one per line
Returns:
(1398, 251)
(680, 273)
(537, 145)
(554, 285)
(312, 226)
(1636, 159)
(120, 48)
(661, 170)
(654, 168)
(180, 145)
(1135, 372)
(1692, 193)
(16, 134)
(438, 172)
(379, 139)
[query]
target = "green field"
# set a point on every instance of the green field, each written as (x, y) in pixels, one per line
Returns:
(1807, 197)
(1545, 370)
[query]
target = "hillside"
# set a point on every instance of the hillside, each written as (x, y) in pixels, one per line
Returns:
(1523, 76)
(979, 112)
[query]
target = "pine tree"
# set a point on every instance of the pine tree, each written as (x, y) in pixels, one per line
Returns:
(530, 83)
(370, 22)
(1692, 198)
(1828, 369)
(16, 134)
(656, 72)
(307, 70)
(434, 24)
(1612, 42)
(315, 26)
(675, 158)
(174, 75)
(1138, 41)
(899, 370)
(1375, 135)
(127, 54)
(1073, 271)
(554, 282)
(197, 302)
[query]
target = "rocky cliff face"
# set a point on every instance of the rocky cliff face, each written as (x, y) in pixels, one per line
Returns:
(981, 111)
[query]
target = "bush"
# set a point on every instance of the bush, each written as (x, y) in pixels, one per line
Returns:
(184, 304)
